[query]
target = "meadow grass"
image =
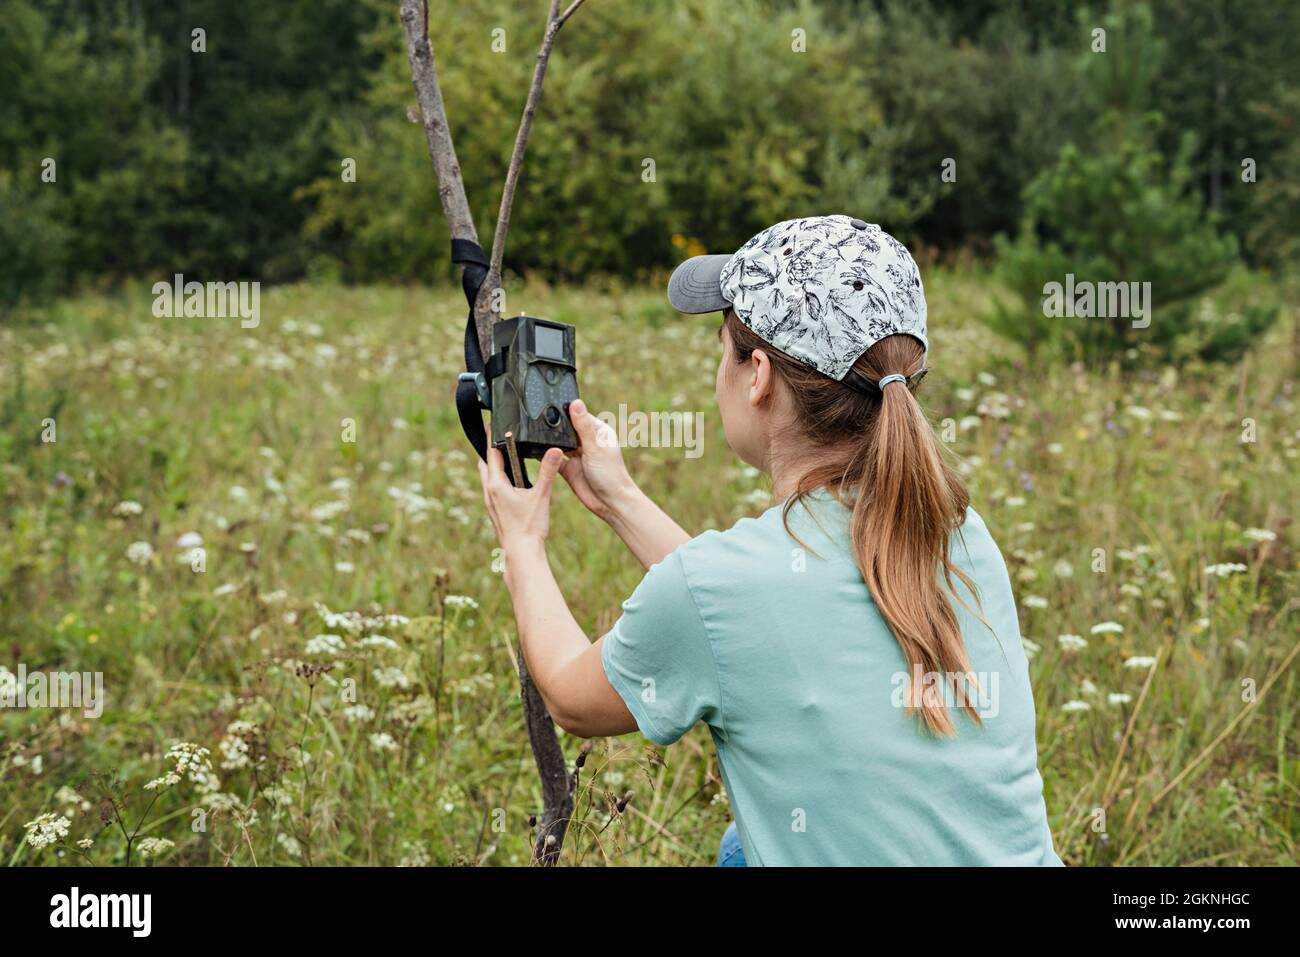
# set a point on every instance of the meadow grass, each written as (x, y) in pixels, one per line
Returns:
(1132, 515)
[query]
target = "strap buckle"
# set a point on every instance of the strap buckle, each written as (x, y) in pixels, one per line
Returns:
(480, 387)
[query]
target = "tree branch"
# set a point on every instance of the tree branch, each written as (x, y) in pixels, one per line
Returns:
(554, 20)
(567, 13)
(428, 94)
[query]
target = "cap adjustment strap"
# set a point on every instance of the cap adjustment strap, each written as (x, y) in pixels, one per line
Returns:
(859, 383)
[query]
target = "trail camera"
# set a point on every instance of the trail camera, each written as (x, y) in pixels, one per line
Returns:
(534, 380)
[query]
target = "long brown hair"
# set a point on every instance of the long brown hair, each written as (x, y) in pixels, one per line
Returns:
(877, 454)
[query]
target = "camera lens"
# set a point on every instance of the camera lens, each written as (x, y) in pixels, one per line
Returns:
(552, 416)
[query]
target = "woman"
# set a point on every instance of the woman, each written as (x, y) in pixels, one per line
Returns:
(854, 650)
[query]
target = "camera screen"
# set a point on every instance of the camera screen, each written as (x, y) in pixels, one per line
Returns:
(548, 342)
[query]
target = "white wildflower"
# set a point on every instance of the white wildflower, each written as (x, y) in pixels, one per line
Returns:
(234, 746)
(70, 801)
(289, 843)
(1072, 642)
(326, 645)
(139, 553)
(278, 796)
(1225, 568)
(190, 759)
(414, 855)
(153, 846)
(47, 829)
(1140, 661)
(1107, 628)
(391, 678)
(329, 510)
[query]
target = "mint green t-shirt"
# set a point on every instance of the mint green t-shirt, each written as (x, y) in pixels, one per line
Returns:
(780, 650)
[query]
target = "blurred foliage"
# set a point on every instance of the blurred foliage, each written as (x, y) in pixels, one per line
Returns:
(697, 119)
(1122, 212)
(166, 160)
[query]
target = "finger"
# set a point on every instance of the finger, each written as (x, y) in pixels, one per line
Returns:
(496, 465)
(551, 463)
(600, 434)
(584, 423)
(571, 469)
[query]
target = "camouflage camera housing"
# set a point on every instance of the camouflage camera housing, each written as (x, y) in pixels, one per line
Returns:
(537, 381)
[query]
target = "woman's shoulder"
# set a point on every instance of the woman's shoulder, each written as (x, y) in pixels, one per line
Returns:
(767, 543)
(974, 534)
(749, 536)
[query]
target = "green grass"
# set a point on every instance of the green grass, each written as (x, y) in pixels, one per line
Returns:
(237, 435)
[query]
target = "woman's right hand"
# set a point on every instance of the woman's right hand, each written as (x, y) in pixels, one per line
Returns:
(599, 478)
(596, 472)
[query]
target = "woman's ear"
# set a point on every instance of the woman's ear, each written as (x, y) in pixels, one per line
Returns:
(763, 378)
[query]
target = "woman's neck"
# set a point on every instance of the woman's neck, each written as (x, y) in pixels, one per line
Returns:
(787, 469)
(790, 466)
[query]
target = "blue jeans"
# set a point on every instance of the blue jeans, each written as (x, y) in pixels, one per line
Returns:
(730, 853)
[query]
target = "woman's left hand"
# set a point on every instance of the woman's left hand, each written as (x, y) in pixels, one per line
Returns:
(520, 516)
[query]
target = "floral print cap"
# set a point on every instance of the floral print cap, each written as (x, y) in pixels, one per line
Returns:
(823, 289)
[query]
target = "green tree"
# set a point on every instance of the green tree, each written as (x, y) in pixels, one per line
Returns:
(1120, 213)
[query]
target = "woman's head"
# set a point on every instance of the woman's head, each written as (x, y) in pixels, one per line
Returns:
(874, 450)
(775, 408)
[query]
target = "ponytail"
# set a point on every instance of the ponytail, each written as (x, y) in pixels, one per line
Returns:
(875, 451)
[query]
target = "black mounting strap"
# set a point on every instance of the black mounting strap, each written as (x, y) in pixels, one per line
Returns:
(474, 386)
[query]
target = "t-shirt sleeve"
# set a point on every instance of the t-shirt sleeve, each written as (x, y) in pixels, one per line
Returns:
(658, 657)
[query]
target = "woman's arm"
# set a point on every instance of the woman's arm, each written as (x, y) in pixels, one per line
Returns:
(599, 478)
(564, 665)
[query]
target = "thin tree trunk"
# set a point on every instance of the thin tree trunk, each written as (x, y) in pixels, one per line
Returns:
(557, 782)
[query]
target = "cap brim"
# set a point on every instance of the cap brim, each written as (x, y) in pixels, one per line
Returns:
(696, 285)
